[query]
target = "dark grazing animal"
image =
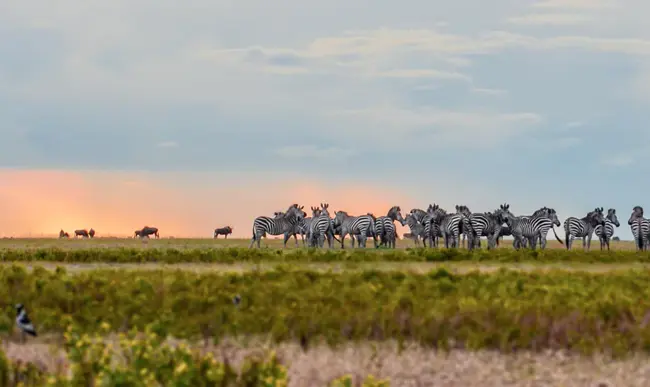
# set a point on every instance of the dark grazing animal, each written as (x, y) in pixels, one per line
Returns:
(146, 231)
(223, 231)
(63, 234)
(82, 233)
(137, 233)
(91, 233)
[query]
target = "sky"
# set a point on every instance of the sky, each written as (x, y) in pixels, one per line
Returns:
(198, 114)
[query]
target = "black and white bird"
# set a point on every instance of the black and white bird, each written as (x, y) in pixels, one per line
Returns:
(23, 321)
(236, 300)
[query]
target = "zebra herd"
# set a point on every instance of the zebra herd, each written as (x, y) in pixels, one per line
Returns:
(434, 223)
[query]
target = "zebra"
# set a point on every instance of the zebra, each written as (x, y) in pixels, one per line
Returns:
(466, 226)
(417, 229)
(431, 229)
(263, 225)
(361, 226)
(321, 227)
(449, 225)
(583, 228)
(640, 227)
(487, 224)
(504, 231)
(604, 233)
(532, 227)
(385, 226)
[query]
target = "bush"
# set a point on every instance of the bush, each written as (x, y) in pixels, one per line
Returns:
(506, 310)
(239, 255)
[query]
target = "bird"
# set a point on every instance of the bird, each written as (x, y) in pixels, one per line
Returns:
(236, 300)
(23, 322)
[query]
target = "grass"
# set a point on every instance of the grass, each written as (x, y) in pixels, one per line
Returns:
(194, 243)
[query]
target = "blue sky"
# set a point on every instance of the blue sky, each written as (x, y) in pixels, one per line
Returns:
(529, 102)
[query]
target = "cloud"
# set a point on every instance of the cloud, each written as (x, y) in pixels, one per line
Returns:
(550, 19)
(487, 91)
(577, 4)
(331, 154)
(618, 161)
(574, 124)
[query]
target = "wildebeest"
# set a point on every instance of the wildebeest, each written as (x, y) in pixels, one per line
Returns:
(82, 233)
(91, 233)
(146, 231)
(63, 234)
(222, 231)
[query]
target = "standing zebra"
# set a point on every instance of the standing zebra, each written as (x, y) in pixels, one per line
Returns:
(533, 227)
(263, 225)
(640, 227)
(488, 224)
(303, 227)
(605, 233)
(449, 225)
(505, 231)
(431, 231)
(361, 226)
(466, 226)
(321, 227)
(583, 228)
(417, 230)
(385, 226)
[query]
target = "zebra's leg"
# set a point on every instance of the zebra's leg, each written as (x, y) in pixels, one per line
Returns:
(584, 243)
(589, 242)
(287, 236)
(295, 236)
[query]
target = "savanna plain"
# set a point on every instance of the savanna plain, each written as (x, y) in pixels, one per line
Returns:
(203, 312)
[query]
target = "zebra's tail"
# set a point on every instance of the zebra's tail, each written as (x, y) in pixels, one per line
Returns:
(639, 236)
(556, 237)
(566, 233)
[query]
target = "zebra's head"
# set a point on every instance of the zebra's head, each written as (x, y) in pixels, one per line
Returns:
(503, 212)
(552, 216)
(295, 213)
(436, 212)
(410, 220)
(637, 212)
(596, 217)
(324, 211)
(339, 217)
(463, 210)
(611, 215)
(315, 211)
(395, 213)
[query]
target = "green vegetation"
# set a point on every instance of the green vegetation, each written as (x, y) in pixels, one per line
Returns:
(239, 255)
(147, 360)
(506, 310)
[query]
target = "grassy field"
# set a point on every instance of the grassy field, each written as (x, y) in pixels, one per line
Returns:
(103, 243)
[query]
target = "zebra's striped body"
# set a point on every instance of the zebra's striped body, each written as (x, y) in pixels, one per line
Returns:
(360, 226)
(466, 226)
(532, 227)
(640, 228)
(385, 226)
(449, 225)
(487, 224)
(605, 233)
(417, 229)
(263, 225)
(583, 228)
(321, 227)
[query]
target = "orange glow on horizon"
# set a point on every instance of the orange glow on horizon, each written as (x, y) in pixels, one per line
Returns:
(40, 202)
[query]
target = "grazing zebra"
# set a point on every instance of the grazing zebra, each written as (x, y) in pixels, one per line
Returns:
(417, 229)
(321, 227)
(640, 227)
(449, 225)
(466, 226)
(263, 225)
(81, 233)
(385, 226)
(583, 228)
(604, 233)
(222, 231)
(361, 226)
(532, 227)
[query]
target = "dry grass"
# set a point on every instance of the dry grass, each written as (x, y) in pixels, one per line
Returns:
(414, 367)
(102, 243)
(413, 267)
